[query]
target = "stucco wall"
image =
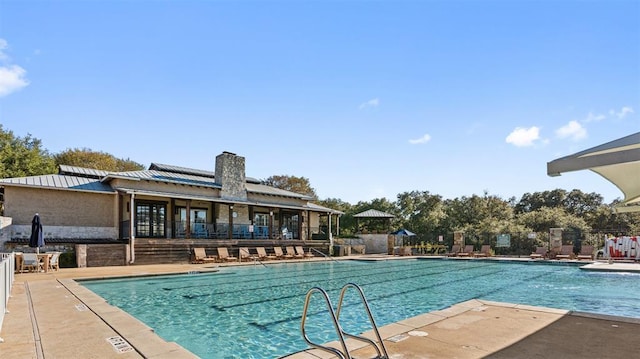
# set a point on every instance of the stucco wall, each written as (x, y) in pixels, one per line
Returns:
(60, 207)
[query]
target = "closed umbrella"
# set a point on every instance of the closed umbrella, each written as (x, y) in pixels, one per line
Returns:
(37, 239)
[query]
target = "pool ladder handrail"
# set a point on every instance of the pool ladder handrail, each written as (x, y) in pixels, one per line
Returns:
(334, 320)
(341, 333)
(371, 321)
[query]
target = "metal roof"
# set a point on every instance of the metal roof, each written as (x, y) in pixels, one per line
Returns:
(87, 179)
(617, 161)
(191, 171)
(164, 176)
(81, 171)
(59, 182)
(166, 194)
(373, 213)
(273, 191)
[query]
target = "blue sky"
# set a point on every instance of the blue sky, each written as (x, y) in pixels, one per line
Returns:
(367, 99)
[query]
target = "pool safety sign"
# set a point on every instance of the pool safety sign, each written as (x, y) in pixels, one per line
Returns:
(504, 240)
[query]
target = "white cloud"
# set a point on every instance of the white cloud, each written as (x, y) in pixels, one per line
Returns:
(573, 130)
(591, 117)
(12, 77)
(624, 111)
(371, 103)
(523, 137)
(424, 139)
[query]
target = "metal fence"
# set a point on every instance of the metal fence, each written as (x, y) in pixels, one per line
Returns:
(519, 244)
(7, 265)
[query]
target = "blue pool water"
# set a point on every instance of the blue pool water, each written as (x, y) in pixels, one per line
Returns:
(255, 312)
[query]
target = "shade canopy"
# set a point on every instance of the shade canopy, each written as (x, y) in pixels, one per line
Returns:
(617, 161)
(404, 232)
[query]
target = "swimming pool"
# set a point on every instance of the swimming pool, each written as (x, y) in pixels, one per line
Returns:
(254, 312)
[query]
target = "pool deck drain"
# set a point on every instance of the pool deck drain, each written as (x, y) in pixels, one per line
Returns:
(473, 329)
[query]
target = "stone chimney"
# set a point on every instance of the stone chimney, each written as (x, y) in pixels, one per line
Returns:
(230, 174)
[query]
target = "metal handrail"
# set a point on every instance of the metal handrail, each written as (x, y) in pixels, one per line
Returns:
(254, 258)
(371, 320)
(326, 256)
(334, 319)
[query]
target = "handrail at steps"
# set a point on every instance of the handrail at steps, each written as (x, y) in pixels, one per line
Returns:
(324, 255)
(254, 258)
(339, 330)
(371, 320)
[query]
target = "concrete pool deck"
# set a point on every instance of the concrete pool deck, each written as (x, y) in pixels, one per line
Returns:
(51, 316)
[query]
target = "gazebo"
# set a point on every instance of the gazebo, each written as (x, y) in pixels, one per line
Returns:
(373, 215)
(617, 161)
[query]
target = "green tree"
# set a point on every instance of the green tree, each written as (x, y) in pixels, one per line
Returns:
(21, 157)
(292, 183)
(97, 160)
(421, 212)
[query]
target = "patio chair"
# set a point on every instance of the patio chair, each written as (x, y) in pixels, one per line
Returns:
(262, 254)
(245, 255)
(54, 261)
(540, 253)
(586, 252)
(30, 262)
(455, 249)
(293, 253)
(280, 254)
(566, 252)
(200, 256)
(485, 251)
(300, 251)
(468, 250)
(223, 255)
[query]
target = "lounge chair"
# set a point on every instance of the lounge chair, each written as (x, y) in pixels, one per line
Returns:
(468, 250)
(200, 256)
(455, 249)
(31, 262)
(280, 254)
(300, 251)
(54, 261)
(566, 252)
(293, 253)
(262, 254)
(586, 252)
(223, 255)
(485, 251)
(540, 253)
(245, 255)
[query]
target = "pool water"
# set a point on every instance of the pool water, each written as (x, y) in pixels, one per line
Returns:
(255, 311)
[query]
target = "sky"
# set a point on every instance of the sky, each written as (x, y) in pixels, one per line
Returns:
(366, 99)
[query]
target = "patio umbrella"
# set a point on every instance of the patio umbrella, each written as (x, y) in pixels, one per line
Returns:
(37, 240)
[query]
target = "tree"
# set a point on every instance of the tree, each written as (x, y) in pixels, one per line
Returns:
(421, 212)
(295, 184)
(97, 160)
(21, 157)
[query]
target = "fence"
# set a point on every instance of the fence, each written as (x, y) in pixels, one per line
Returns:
(7, 265)
(520, 244)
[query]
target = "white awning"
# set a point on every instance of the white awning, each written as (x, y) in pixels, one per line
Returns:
(617, 161)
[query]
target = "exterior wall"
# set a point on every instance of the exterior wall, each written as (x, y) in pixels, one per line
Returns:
(5, 230)
(60, 207)
(23, 231)
(374, 243)
(231, 175)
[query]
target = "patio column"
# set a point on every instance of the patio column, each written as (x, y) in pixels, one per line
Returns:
(132, 228)
(230, 236)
